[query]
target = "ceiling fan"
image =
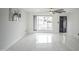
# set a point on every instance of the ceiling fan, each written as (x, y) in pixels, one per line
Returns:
(53, 11)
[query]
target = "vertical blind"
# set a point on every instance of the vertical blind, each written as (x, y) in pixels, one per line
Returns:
(42, 23)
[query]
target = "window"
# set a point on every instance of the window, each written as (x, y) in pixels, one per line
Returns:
(42, 23)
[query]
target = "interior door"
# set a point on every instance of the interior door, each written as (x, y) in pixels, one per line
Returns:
(63, 24)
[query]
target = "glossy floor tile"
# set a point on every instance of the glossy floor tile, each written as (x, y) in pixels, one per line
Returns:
(46, 42)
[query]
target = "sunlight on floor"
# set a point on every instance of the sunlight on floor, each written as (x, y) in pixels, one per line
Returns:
(43, 38)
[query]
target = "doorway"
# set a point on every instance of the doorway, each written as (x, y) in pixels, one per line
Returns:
(63, 24)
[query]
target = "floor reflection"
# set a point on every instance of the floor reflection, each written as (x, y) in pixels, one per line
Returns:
(64, 39)
(46, 42)
(43, 38)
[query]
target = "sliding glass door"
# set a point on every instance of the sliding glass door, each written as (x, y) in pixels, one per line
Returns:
(43, 23)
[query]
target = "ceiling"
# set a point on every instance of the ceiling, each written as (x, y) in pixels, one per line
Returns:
(45, 9)
(36, 9)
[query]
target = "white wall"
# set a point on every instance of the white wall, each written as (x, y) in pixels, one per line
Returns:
(10, 31)
(55, 21)
(73, 22)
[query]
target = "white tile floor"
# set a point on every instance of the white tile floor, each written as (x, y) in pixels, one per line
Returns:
(46, 42)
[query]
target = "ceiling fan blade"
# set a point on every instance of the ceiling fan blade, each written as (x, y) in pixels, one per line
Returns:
(59, 11)
(53, 11)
